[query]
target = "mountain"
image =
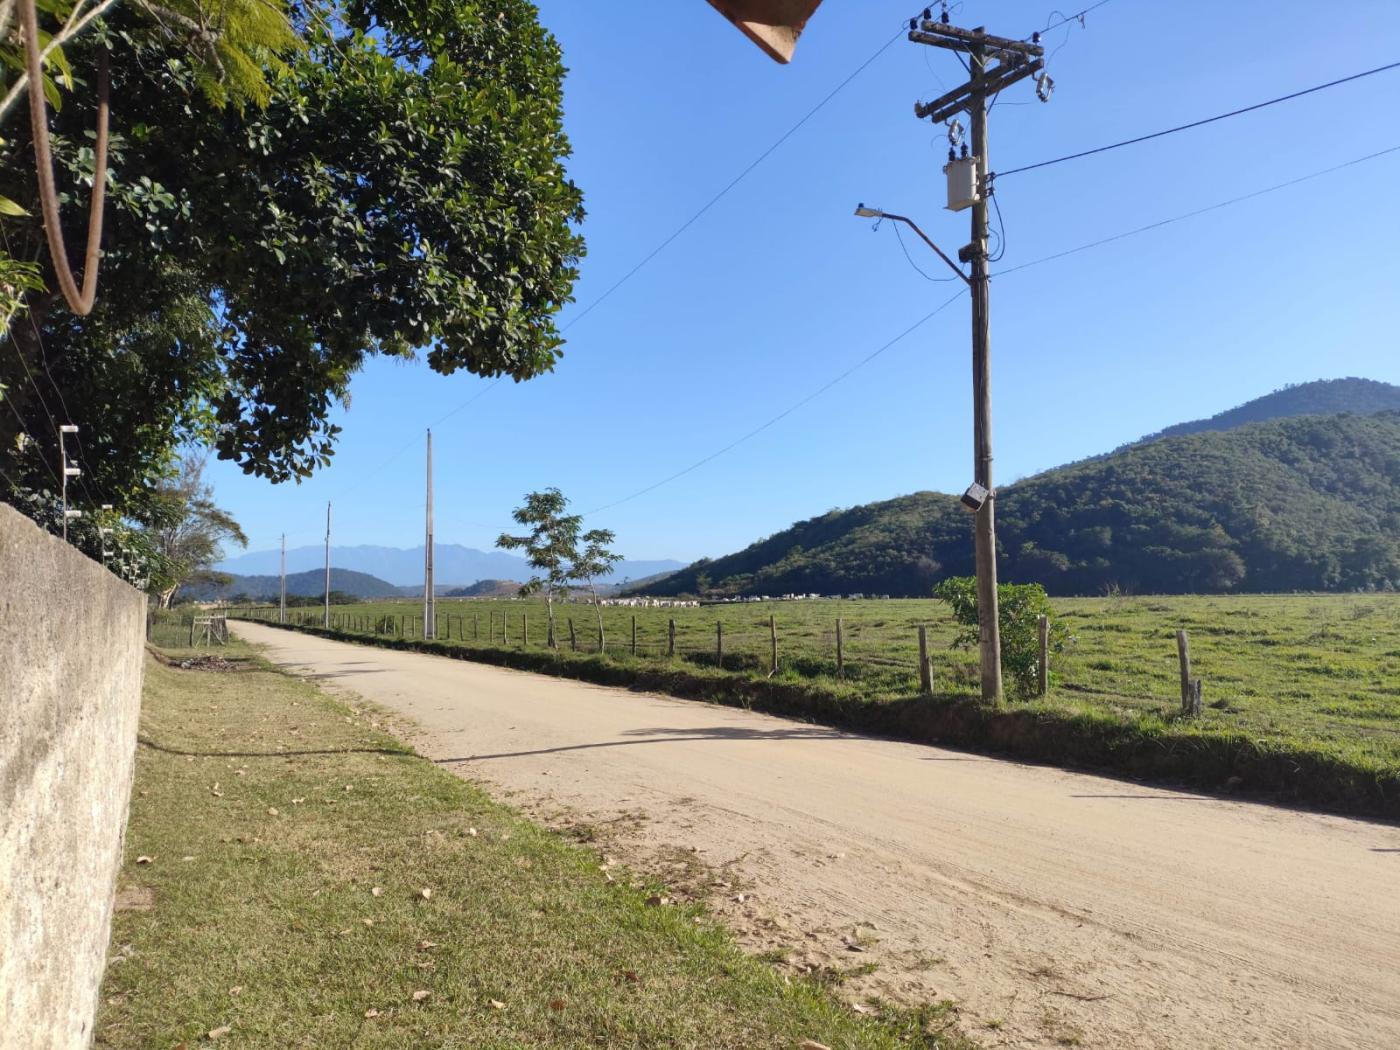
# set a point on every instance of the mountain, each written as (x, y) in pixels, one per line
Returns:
(1325, 397)
(487, 589)
(1307, 503)
(311, 583)
(403, 566)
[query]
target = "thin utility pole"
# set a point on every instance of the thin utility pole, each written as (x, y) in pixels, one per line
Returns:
(429, 590)
(1014, 60)
(282, 602)
(328, 565)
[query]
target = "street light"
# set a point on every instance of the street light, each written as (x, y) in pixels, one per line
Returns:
(875, 213)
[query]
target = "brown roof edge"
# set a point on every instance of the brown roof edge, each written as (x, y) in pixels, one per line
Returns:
(774, 25)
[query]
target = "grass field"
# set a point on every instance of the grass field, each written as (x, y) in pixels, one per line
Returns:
(297, 878)
(1316, 676)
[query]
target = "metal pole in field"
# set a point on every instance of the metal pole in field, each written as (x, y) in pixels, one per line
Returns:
(327, 623)
(429, 590)
(282, 599)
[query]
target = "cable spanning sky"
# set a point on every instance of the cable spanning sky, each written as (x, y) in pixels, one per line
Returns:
(776, 290)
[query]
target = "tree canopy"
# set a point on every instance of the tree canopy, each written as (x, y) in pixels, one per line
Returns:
(402, 191)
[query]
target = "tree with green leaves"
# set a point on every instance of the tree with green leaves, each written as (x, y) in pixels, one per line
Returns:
(401, 193)
(187, 532)
(1020, 607)
(593, 562)
(551, 547)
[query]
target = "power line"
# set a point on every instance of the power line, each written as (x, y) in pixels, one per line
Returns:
(688, 222)
(731, 184)
(1198, 123)
(927, 317)
(785, 412)
(1076, 17)
(1200, 211)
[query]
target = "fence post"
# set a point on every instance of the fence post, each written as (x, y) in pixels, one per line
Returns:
(840, 651)
(925, 668)
(773, 639)
(525, 630)
(191, 632)
(671, 638)
(573, 638)
(634, 634)
(719, 643)
(476, 627)
(505, 629)
(1191, 688)
(1043, 669)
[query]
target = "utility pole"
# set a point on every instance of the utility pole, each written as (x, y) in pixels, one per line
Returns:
(429, 593)
(1013, 60)
(70, 470)
(328, 565)
(282, 600)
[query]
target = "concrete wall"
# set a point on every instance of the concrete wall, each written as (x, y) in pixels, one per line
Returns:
(71, 638)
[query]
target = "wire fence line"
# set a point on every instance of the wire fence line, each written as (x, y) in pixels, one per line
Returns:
(765, 645)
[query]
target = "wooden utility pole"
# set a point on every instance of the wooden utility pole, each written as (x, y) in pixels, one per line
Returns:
(429, 586)
(327, 623)
(282, 601)
(1013, 60)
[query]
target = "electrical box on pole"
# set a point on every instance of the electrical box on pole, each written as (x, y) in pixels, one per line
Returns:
(962, 183)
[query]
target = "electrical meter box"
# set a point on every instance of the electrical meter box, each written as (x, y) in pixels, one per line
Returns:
(962, 183)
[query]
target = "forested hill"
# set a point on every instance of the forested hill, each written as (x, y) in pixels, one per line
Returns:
(1311, 503)
(1325, 397)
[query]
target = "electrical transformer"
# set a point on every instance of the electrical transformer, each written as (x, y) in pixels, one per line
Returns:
(962, 183)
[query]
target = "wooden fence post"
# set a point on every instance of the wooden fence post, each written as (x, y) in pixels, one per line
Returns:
(773, 640)
(634, 634)
(925, 667)
(671, 638)
(525, 630)
(191, 632)
(476, 626)
(840, 651)
(719, 643)
(505, 629)
(573, 638)
(1191, 688)
(1043, 668)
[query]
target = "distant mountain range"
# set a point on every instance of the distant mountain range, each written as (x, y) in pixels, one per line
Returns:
(454, 565)
(1298, 490)
(303, 584)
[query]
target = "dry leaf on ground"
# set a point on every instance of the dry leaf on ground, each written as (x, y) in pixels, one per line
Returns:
(421, 994)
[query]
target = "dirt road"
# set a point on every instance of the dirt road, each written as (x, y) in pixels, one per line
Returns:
(1056, 908)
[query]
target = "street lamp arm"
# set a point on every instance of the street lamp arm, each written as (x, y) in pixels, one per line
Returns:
(914, 226)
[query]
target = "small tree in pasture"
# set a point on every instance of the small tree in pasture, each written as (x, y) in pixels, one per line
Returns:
(551, 546)
(596, 560)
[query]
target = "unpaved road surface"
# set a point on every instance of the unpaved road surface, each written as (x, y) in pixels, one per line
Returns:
(1056, 908)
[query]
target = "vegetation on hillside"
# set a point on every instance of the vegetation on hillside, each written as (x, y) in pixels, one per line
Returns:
(1323, 397)
(1309, 503)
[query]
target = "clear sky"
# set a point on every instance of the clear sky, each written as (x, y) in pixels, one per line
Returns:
(778, 289)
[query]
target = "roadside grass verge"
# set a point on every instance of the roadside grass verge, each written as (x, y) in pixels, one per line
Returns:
(278, 853)
(1353, 774)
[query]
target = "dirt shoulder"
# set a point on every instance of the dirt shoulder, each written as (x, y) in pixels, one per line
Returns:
(1056, 908)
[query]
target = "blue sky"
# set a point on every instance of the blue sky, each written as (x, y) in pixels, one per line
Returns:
(778, 289)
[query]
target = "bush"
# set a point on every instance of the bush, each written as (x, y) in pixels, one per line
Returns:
(1020, 606)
